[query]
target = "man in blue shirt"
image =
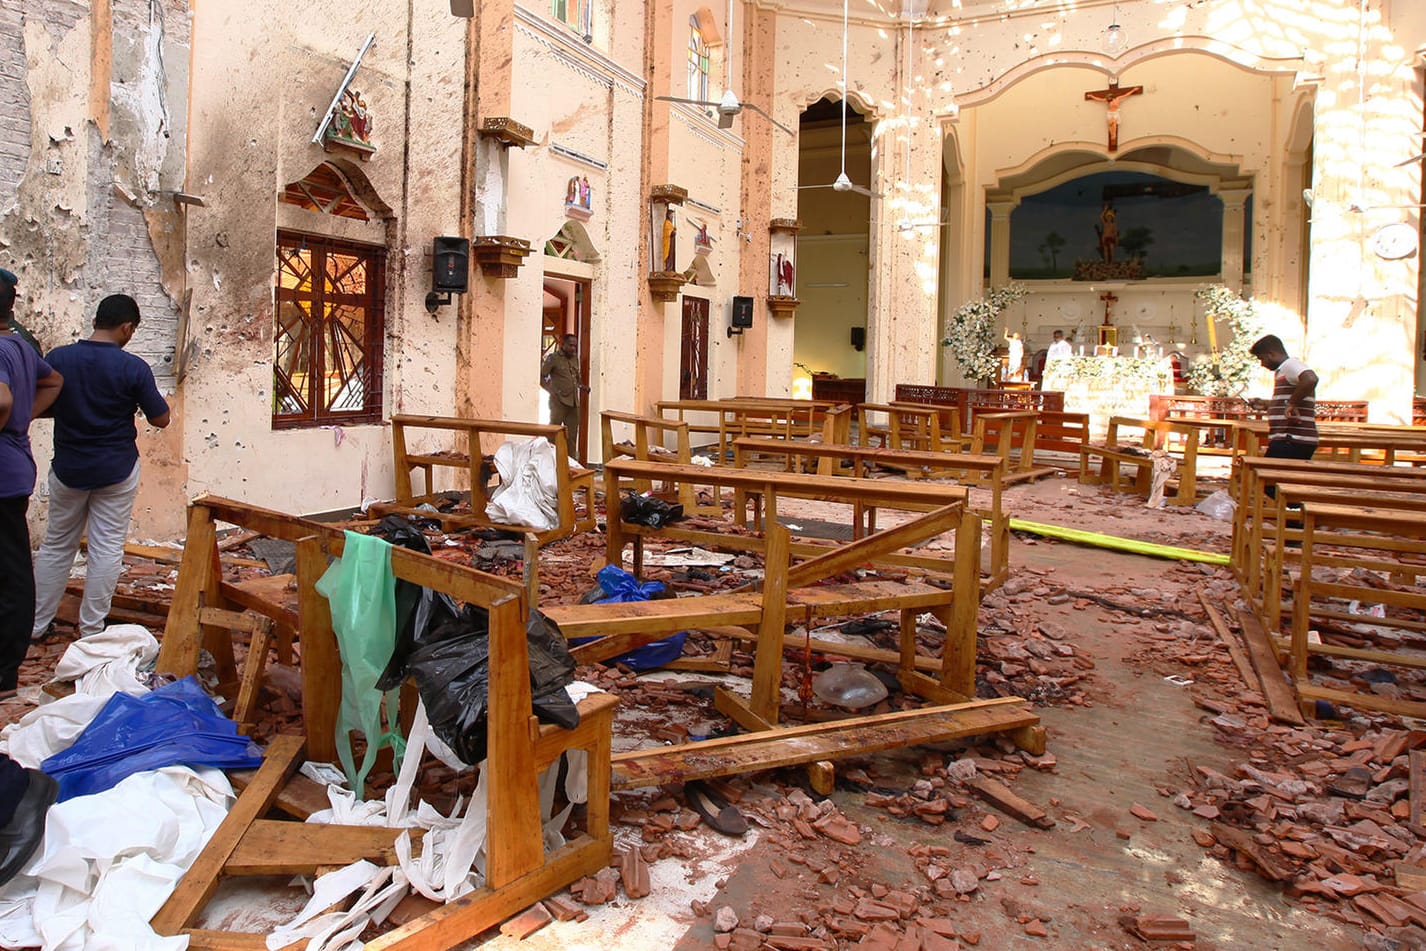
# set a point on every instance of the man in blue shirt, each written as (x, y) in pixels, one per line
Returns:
(95, 473)
(27, 386)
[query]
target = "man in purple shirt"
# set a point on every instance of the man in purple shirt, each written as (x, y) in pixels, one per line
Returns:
(27, 387)
(95, 473)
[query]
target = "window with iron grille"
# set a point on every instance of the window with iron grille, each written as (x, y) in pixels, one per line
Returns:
(328, 331)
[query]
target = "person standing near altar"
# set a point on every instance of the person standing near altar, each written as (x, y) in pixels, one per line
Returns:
(1059, 347)
(1292, 412)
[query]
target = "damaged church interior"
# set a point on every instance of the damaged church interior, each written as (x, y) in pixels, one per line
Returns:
(904, 475)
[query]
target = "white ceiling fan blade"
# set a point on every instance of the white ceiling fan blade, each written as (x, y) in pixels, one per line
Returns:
(800, 187)
(691, 102)
(1414, 158)
(766, 115)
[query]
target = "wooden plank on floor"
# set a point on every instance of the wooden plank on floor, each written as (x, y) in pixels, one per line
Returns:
(1416, 774)
(283, 757)
(999, 795)
(792, 746)
(280, 847)
(1280, 696)
(1235, 649)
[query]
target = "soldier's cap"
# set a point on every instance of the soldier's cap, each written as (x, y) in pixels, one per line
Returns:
(9, 277)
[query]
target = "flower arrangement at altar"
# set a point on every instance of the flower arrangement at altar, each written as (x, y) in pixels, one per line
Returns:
(1151, 375)
(971, 331)
(1229, 369)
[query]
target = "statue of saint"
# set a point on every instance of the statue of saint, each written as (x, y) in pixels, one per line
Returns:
(670, 231)
(1108, 232)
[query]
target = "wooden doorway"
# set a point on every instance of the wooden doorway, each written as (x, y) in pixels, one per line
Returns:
(693, 358)
(566, 310)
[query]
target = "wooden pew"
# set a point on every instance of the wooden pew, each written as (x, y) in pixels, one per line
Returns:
(746, 416)
(517, 870)
(1114, 455)
(911, 426)
(1011, 435)
(794, 591)
(1261, 532)
(983, 469)
(1383, 535)
(468, 457)
(646, 436)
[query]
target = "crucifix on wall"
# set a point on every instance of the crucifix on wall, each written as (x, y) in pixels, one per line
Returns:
(1111, 97)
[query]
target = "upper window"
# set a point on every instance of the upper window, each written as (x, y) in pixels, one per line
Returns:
(576, 14)
(697, 61)
(328, 334)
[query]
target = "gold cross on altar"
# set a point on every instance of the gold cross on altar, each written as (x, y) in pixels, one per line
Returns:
(1111, 98)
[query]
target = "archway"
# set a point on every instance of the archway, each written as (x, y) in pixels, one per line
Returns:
(832, 247)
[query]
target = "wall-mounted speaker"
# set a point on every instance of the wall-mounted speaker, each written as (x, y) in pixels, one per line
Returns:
(742, 312)
(858, 338)
(450, 265)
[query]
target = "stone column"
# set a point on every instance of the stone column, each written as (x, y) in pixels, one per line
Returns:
(1362, 308)
(1000, 242)
(1234, 201)
(903, 325)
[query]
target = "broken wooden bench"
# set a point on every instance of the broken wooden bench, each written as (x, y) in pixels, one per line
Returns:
(1133, 448)
(468, 457)
(1262, 536)
(1382, 535)
(858, 461)
(794, 593)
(517, 870)
(644, 439)
(750, 416)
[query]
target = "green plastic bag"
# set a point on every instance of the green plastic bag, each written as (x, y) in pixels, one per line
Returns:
(361, 590)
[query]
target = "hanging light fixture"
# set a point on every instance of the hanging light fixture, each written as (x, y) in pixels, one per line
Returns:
(1114, 39)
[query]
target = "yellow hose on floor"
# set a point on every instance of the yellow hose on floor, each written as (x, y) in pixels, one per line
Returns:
(1081, 537)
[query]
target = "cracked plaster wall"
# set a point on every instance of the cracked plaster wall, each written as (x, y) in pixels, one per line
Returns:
(90, 153)
(264, 76)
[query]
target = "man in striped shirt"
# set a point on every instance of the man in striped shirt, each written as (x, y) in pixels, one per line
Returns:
(1292, 423)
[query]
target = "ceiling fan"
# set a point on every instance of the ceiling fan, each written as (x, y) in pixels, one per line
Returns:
(728, 107)
(843, 182)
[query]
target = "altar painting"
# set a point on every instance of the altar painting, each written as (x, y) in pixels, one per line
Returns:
(1159, 227)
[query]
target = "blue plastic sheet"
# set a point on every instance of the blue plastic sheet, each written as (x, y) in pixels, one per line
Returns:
(175, 724)
(620, 586)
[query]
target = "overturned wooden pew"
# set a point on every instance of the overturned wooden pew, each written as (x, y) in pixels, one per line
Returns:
(518, 871)
(799, 587)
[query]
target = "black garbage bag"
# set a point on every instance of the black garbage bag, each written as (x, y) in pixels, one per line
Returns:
(418, 609)
(452, 673)
(649, 510)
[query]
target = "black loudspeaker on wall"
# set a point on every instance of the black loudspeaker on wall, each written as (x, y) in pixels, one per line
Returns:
(742, 315)
(858, 338)
(450, 265)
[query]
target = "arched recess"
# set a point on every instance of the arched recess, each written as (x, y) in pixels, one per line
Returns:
(833, 246)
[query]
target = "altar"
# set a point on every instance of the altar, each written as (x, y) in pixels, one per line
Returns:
(1108, 386)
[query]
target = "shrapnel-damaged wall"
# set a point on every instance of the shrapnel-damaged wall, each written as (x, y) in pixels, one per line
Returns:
(93, 110)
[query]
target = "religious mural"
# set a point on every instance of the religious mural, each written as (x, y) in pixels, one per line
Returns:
(1116, 226)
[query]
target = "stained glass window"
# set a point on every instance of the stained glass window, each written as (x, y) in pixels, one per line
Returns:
(697, 62)
(328, 332)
